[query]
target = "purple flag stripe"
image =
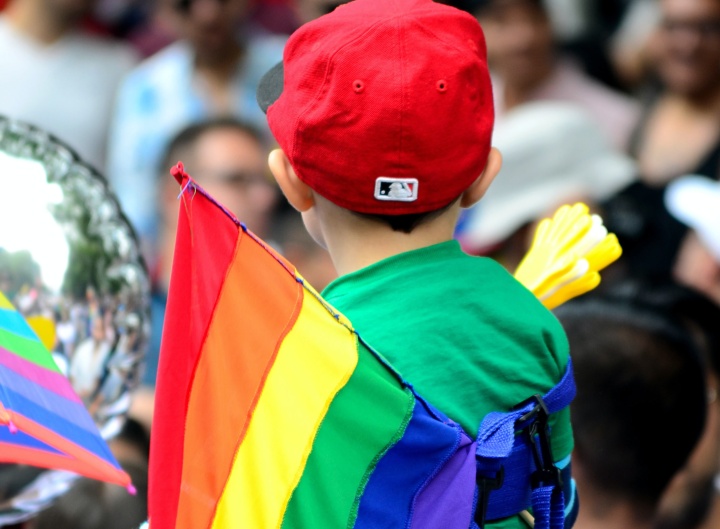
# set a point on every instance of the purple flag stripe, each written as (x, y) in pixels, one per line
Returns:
(50, 380)
(389, 495)
(449, 498)
(70, 410)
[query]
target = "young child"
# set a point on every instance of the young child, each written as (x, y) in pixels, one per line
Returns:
(383, 113)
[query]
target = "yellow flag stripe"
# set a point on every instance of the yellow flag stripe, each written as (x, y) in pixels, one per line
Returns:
(314, 362)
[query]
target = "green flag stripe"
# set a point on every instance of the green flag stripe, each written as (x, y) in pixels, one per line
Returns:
(365, 419)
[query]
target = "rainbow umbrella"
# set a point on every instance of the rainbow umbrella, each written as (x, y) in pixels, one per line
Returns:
(43, 422)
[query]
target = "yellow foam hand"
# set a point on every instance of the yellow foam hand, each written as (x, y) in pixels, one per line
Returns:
(566, 255)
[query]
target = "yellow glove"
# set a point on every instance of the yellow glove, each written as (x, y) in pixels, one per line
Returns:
(566, 255)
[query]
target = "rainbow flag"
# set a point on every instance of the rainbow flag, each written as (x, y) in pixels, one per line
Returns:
(43, 422)
(270, 410)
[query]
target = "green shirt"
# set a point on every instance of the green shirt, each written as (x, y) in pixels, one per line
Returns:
(462, 331)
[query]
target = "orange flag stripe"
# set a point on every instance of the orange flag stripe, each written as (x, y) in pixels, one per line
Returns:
(237, 355)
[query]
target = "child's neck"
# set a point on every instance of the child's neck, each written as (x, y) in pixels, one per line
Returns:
(349, 257)
(355, 242)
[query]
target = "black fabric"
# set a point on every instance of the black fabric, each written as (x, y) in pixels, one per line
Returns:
(649, 234)
(709, 165)
(270, 86)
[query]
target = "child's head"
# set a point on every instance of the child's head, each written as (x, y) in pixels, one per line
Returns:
(383, 108)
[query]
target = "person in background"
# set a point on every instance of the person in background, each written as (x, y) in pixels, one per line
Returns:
(147, 26)
(632, 45)
(57, 77)
(275, 16)
(678, 134)
(640, 407)
(211, 71)
(691, 501)
(569, 161)
(583, 31)
(227, 157)
(307, 10)
(680, 130)
(88, 361)
(293, 241)
(526, 66)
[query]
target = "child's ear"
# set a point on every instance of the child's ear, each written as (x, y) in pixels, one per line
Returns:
(295, 190)
(475, 192)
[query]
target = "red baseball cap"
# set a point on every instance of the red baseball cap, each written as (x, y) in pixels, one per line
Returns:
(384, 106)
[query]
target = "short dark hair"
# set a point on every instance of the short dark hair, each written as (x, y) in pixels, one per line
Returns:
(699, 313)
(641, 402)
(189, 135)
(405, 223)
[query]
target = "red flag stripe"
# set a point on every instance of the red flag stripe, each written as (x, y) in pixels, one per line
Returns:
(237, 355)
(203, 254)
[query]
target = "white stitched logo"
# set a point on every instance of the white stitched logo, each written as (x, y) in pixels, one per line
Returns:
(396, 189)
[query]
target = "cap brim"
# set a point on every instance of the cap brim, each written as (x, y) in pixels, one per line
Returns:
(270, 87)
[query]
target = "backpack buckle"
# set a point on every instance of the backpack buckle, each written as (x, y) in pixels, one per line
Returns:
(485, 486)
(538, 432)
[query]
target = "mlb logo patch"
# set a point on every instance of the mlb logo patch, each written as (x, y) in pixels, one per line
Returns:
(396, 189)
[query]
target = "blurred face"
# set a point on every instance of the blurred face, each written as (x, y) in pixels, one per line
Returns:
(519, 40)
(688, 46)
(232, 167)
(311, 9)
(98, 329)
(70, 10)
(210, 25)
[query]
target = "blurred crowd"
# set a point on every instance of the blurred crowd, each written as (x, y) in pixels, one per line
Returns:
(615, 103)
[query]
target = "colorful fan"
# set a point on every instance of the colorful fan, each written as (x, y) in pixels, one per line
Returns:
(43, 422)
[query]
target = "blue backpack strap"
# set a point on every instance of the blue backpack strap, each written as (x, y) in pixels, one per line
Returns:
(516, 470)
